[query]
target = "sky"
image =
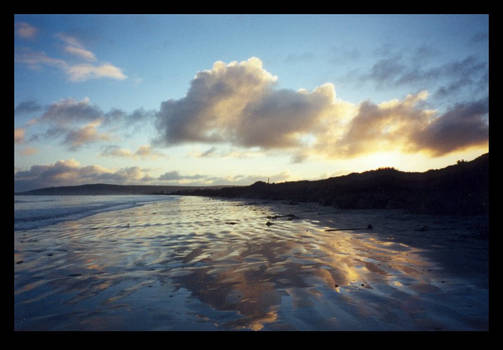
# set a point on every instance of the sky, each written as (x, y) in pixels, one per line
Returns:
(234, 99)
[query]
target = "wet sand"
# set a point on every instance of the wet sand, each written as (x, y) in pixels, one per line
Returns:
(208, 264)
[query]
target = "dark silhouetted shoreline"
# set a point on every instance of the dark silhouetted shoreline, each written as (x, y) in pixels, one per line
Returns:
(461, 189)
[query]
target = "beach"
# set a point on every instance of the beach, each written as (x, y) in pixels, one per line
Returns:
(197, 263)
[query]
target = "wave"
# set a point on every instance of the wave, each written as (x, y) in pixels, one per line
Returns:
(37, 213)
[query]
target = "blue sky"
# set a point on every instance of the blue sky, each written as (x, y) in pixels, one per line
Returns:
(141, 99)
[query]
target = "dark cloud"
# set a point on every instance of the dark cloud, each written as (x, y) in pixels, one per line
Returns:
(70, 111)
(464, 125)
(453, 77)
(386, 71)
(208, 152)
(279, 118)
(77, 122)
(27, 107)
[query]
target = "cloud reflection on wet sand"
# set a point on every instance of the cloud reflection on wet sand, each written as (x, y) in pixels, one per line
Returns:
(199, 263)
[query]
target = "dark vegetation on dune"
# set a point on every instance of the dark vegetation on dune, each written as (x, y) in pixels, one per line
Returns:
(460, 189)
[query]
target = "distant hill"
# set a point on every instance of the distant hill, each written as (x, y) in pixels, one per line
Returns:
(107, 189)
(462, 188)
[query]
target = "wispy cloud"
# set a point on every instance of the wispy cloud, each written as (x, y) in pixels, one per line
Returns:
(85, 71)
(37, 59)
(468, 74)
(143, 152)
(75, 72)
(74, 47)
(80, 52)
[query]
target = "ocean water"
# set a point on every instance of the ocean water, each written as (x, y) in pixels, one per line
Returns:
(38, 211)
(193, 263)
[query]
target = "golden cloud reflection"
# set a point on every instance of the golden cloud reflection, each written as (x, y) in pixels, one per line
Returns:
(298, 263)
(207, 264)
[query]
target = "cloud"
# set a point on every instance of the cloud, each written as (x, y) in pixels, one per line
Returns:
(80, 52)
(25, 30)
(74, 47)
(19, 135)
(75, 72)
(37, 59)
(401, 125)
(237, 103)
(381, 127)
(386, 71)
(27, 107)
(84, 71)
(71, 111)
(449, 78)
(143, 152)
(213, 105)
(70, 173)
(116, 151)
(78, 121)
(28, 151)
(227, 152)
(88, 134)
(465, 125)
(69, 40)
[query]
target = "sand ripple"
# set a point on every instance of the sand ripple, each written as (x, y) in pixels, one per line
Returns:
(198, 263)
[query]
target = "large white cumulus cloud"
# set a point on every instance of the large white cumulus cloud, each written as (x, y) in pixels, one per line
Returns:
(238, 103)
